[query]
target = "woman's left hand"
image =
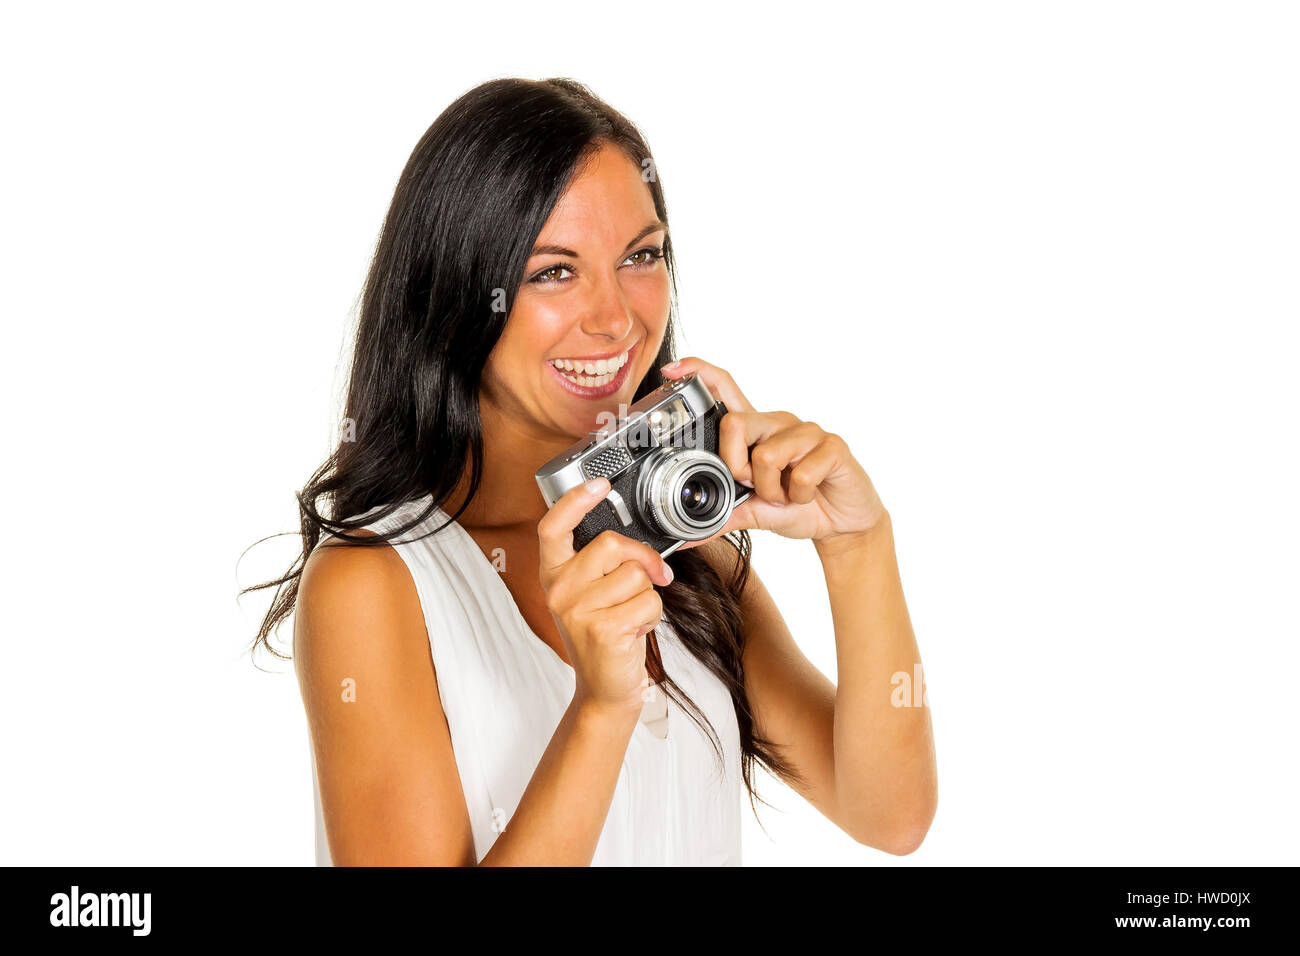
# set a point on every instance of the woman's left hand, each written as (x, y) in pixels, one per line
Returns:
(806, 482)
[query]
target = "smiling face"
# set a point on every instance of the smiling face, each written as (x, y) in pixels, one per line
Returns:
(592, 309)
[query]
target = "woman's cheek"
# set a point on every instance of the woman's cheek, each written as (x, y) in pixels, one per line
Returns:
(649, 298)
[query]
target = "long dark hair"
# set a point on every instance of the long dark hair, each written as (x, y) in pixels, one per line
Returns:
(471, 201)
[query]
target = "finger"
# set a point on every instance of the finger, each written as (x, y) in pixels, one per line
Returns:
(719, 381)
(812, 469)
(772, 455)
(738, 431)
(609, 549)
(625, 582)
(555, 530)
(642, 613)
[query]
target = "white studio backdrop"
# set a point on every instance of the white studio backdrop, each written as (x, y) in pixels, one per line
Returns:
(1037, 262)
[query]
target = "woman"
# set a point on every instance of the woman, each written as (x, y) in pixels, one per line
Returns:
(477, 692)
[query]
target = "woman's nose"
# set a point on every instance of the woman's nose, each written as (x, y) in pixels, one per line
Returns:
(607, 313)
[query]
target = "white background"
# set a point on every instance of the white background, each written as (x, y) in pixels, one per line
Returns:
(1037, 262)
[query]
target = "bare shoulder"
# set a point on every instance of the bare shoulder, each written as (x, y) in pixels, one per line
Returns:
(390, 791)
(338, 576)
(354, 600)
(358, 612)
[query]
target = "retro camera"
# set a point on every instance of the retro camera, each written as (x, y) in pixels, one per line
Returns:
(667, 484)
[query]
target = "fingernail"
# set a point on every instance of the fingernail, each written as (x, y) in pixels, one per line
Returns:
(746, 482)
(596, 486)
(670, 366)
(668, 572)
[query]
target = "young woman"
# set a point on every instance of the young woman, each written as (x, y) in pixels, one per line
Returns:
(477, 692)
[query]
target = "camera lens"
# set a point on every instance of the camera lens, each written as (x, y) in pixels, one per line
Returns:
(685, 493)
(699, 495)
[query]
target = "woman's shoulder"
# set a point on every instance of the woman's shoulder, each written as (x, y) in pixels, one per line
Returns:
(351, 588)
(338, 568)
(367, 565)
(353, 595)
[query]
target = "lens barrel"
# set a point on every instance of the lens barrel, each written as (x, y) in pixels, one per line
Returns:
(686, 493)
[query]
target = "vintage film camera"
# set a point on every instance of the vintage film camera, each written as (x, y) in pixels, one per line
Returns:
(668, 485)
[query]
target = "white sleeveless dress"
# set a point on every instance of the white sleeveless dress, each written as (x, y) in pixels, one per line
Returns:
(504, 690)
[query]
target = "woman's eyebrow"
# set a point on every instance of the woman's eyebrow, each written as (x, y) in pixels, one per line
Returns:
(562, 251)
(653, 227)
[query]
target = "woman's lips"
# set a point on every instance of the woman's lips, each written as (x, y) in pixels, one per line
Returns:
(598, 391)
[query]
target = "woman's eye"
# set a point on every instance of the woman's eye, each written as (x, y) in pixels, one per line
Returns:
(557, 274)
(551, 274)
(646, 256)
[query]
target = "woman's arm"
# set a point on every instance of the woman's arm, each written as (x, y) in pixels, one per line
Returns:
(885, 772)
(866, 765)
(390, 791)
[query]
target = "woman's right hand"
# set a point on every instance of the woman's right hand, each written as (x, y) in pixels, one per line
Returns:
(603, 601)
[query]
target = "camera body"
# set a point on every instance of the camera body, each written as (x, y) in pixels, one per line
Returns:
(668, 485)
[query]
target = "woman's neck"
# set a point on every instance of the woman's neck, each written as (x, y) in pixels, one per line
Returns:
(507, 495)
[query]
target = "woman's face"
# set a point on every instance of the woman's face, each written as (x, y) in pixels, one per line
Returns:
(592, 308)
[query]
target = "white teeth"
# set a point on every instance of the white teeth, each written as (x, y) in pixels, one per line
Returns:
(591, 381)
(591, 374)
